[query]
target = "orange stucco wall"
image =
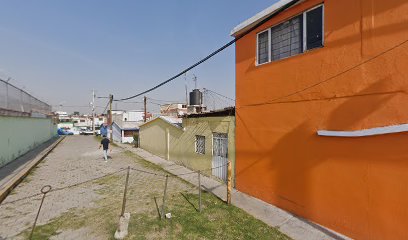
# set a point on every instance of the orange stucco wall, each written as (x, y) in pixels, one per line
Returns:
(358, 80)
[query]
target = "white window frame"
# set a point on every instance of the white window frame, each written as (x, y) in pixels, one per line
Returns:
(269, 47)
(305, 27)
(304, 37)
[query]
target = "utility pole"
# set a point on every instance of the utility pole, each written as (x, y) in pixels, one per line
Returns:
(145, 109)
(93, 112)
(110, 116)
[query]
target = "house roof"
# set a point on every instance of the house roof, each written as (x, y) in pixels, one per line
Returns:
(176, 122)
(172, 120)
(259, 17)
(127, 125)
(230, 111)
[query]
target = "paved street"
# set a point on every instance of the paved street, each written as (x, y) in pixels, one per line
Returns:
(77, 212)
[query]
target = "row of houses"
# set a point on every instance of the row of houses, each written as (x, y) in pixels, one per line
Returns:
(187, 134)
(319, 128)
(76, 123)
(125, 124)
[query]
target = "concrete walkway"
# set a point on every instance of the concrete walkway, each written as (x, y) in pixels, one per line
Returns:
(14, 167)
(291, 225)
(86, 197)
(15, 171)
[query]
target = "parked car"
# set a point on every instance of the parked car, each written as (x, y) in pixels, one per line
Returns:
(86, 131)
(61, 131)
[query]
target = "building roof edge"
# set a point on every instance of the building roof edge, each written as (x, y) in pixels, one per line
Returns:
(259, 17)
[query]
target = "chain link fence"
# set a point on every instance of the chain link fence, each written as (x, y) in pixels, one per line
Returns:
(17, 100)
(143, 192)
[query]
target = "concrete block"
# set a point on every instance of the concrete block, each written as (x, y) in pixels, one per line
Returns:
(122, 231)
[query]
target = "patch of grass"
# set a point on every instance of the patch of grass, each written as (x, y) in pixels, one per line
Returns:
(144, 162)
(68, 220)
(216, 221)
(104, 217)
(27, 179)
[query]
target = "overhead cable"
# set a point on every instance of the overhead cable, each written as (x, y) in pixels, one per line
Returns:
(206, 89)
(288, 5)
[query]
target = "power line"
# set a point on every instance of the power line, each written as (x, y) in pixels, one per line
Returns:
(158, 104)
(105, 107)
(205, 89)
(132, 102)
(75, 106)
(168, 101)
(288, 5)
(275, 101)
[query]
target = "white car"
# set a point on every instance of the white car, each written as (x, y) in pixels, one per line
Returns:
(86, 131)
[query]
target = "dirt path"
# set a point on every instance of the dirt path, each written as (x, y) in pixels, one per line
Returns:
(86, 211)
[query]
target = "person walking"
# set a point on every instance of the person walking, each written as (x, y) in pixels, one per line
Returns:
(104, 129)
(105, 143)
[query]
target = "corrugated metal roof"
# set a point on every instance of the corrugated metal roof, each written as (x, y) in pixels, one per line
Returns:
(128, 125)
(229, 111)
(172, 120)
(259, 17)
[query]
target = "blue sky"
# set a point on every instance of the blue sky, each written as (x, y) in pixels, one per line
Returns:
(60, 50)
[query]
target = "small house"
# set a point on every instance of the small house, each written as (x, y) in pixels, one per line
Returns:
(200, 141)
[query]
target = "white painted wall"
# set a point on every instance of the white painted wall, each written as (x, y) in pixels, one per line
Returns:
(22, 134)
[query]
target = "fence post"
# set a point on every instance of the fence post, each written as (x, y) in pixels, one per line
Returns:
(164, 197)
(124, 194)
(44, 191)
(229, 183)
(199, 191)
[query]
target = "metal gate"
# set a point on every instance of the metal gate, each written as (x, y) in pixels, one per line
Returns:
(220, 156)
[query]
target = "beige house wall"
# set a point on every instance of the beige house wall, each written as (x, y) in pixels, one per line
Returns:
(178, 144)
(156, 136)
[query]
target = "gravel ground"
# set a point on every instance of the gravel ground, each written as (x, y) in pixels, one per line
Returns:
(78, 159)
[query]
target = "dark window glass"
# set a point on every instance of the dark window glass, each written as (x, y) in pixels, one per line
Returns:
(314, 21)
(263, 47)
(286, 38)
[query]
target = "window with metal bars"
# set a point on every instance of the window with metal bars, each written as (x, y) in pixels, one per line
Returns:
(292, 37)
(263, 47)
(200, 144)
(286, 39)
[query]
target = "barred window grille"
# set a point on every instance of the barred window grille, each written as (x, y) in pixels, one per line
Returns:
(263, 47)
(200, 144)
(292, 37)
(287, 39)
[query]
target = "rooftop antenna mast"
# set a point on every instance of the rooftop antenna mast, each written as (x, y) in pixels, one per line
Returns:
(195, 81)
(185, 83)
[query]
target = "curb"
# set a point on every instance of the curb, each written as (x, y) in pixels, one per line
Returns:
(14, 181)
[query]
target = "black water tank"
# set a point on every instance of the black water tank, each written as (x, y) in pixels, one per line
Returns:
(195, 97)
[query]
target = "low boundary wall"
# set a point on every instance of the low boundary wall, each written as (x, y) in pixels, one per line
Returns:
(18, 135)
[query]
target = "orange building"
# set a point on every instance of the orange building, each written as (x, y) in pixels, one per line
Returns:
(321, 118)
